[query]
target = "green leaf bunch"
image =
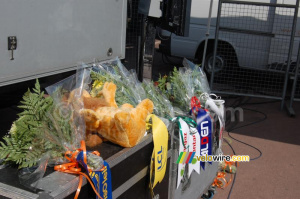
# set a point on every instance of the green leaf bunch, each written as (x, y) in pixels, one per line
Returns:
(32, 134)
(173, 87)
(21, 145)
(162, 106)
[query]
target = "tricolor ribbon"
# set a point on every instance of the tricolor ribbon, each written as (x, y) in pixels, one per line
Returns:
(188, 147)
(185, 157)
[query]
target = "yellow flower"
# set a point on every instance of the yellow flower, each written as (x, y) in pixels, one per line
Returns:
(97, 84)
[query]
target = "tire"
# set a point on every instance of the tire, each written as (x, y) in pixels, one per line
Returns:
(226, 58)
(220, 65)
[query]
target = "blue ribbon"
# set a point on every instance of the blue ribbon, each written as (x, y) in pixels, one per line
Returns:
(204, 127)
(101, 179)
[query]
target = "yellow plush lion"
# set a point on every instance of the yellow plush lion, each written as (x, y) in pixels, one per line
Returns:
(124, 126)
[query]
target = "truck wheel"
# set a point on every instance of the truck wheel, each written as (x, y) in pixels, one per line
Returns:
(219, 66)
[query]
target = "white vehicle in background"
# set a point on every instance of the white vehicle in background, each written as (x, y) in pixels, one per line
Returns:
(237, 45)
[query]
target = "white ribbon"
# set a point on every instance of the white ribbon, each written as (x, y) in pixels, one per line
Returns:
(194, 143)
(185, 136)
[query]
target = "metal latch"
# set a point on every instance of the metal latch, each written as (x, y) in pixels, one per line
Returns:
(12, 45)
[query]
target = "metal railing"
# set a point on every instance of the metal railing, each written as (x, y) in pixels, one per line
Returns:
(254, 52)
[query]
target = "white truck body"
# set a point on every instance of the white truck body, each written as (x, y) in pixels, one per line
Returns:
(54, 35)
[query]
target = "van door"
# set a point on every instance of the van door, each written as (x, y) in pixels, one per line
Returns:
(248, 28)
(280, 42)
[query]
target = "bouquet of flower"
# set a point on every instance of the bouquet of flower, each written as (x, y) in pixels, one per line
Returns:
(129, 89)
(51, 130)
(114, 71)
(184, 83)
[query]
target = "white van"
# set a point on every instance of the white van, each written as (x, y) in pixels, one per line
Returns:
(254, 50)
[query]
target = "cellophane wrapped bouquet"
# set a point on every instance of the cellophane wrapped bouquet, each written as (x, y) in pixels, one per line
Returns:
(51, 132)
(47, 125)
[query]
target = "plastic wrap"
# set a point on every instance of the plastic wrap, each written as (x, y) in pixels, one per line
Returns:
(182, 84)
(67, 105)
(197, 78)
(129, 88)
(194, 79)
(130, 79)
(62, 127)
(114, 71)
(162, 106)
(138, 86)
(30, 177)
(179, 91)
